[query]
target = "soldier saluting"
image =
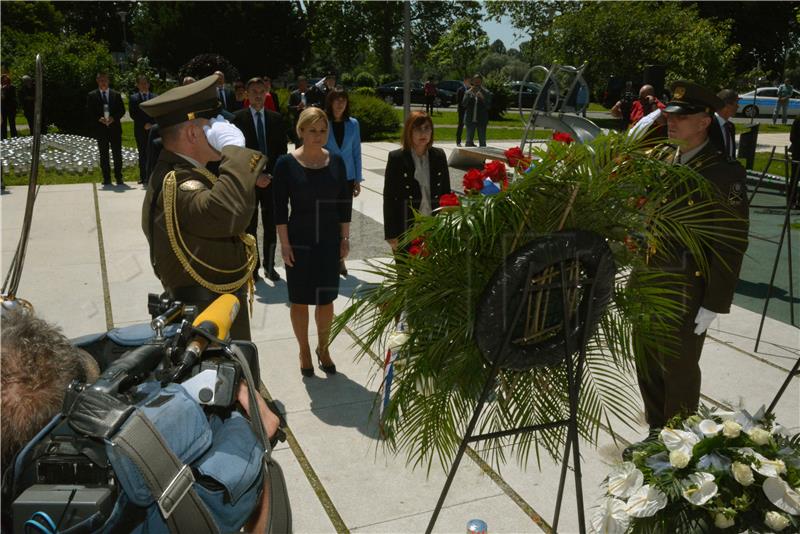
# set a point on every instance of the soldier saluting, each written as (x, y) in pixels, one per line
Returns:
(195, 221)
(671, 383)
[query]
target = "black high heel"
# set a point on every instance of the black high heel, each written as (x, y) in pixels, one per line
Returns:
(327, 369)
(307, 372)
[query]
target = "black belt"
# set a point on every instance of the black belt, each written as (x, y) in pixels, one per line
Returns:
(191, 294)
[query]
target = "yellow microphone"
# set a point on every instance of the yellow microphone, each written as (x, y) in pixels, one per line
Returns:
(216, 321)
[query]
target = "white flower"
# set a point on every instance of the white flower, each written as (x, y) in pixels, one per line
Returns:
(699, 488)
(768, 468)
(742, 473)
(759, 436)
(731, 429)
(679, 459)
(397, 340)
(646, 502)
(776, 521)
(782, 495)
(679, 439)
(611, 517)
(625, 480)
(723, 521)
(709, 428)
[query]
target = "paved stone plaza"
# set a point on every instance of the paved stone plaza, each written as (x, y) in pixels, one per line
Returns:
(88, 268)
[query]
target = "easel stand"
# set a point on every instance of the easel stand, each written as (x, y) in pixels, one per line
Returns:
(786, 232)
(574, 371)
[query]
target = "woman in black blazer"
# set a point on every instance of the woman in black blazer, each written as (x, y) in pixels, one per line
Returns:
(416, 176)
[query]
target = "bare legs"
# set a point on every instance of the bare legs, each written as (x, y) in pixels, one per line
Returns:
(323, 316)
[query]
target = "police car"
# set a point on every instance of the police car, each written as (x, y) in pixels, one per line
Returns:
(766, 98)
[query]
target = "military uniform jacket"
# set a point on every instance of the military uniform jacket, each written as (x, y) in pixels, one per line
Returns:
(210, 215)
(401, 192)
(729, 219)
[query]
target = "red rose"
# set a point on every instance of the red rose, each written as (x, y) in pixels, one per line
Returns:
(473, 181)
(414, 250)
(418, 247)
(514, 155)
(495, 171)
(563, 137)
(448, 199)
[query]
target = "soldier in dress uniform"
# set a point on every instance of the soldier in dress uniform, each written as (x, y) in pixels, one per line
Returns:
(195, 221)
(670, 380)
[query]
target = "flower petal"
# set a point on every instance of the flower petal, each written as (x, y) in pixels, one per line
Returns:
(767, 467)
(699, 488)
(709, 427)
(611, 518)
(625, 480)
(679, 439)
(646, 502)
(782, 495)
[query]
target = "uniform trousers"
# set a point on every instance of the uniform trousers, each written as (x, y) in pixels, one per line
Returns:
(264, 202)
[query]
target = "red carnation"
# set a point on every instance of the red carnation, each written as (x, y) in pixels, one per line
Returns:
(448, 199)
(495, 171)
(517, 158)
(563, 137)
(418, 247)
(473, 181)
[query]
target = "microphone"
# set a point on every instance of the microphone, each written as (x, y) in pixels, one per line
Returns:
(215, 322)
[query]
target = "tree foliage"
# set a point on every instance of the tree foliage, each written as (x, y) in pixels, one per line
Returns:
(666, 33)
(461, 49)
(30, 17)
(257, 37)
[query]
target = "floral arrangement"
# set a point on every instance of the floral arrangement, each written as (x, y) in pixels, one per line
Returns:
(713, 470)
(492, 179)
(563, 137)
(610, 186)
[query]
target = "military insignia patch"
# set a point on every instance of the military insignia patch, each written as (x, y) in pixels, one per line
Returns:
(679, 92)
(735, 194)
(192, 185)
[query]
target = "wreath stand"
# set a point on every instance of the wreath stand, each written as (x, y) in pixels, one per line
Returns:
(547, 299)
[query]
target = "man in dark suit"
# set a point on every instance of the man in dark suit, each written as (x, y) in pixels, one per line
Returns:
(264, 131)
(670, 381)
(104, 109)
(141, 122)
(224, 94)
(298, 101)
(730, 101)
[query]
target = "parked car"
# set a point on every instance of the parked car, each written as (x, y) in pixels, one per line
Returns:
(766, 98)
(392, 93)
(450, 85)
(530, 91)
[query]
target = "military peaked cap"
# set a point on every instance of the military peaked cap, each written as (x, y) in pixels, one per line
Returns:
(197, 100)
(689, 97)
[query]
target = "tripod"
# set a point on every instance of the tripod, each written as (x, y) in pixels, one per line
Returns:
(583, 292)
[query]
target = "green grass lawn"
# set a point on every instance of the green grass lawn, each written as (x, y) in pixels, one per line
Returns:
(776, 167)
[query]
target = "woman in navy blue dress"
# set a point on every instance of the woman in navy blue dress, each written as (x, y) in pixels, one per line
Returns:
(315, 236)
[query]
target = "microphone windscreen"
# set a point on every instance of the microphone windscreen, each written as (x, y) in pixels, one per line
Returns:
(218, 317)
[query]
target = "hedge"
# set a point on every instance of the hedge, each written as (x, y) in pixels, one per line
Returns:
(376, 118)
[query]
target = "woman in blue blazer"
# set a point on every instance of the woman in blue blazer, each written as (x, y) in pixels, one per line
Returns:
(344, 139)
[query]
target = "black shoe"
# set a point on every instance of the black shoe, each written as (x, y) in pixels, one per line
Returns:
(327, 369)
(256, 277)
(106, 183)
(272, 274)
(652, 436)
(120, 182)
(342, 269)
(307, 372)
(280, 433)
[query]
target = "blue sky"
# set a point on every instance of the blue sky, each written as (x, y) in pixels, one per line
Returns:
(504, 31)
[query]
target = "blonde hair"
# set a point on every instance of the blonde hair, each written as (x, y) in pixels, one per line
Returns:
(308, 117)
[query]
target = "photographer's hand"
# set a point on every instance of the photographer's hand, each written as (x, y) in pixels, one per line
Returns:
(268, 419)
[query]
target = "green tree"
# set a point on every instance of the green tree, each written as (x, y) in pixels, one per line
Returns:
(30, 17)
(666, 33)
(531, 18)
(461, 49)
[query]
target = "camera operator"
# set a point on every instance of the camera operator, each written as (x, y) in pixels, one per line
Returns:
(38, 363)
(643, 106)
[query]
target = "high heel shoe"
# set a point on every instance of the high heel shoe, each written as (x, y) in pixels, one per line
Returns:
(327, 369)
(307, 372)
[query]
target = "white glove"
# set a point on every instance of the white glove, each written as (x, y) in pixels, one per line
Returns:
(220, 133)
(703, 320)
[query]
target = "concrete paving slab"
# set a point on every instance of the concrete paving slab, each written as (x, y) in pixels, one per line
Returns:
(308, 516)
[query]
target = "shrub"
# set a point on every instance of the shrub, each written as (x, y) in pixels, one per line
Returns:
(386, 78)
(365, 79)
(366, 91)
(346, 79)
(376, 117)
(501, 95)
(203, 65)
(71, 64)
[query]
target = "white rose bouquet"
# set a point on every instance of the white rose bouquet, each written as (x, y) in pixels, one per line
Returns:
(708, 472)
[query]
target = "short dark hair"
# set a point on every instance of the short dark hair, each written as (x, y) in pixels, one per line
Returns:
(335, 94)
(301, 79)
(141, 77)
(415, 120)
(251, 81)
(728, 96)
(38, 364)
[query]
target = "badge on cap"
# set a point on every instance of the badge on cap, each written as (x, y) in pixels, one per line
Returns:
(679, 92)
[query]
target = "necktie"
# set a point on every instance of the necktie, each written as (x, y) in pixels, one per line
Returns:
(144, 97)
(262, 139)
(730, 130)
(105, 97)
(222, 97)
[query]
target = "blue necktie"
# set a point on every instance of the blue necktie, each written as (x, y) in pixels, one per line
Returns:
(262, 138)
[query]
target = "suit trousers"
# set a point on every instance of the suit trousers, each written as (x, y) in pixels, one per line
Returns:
(481, 128)
(10, 123)
(264, 203)
(141, 146)
(460, 127)
(112, 138)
